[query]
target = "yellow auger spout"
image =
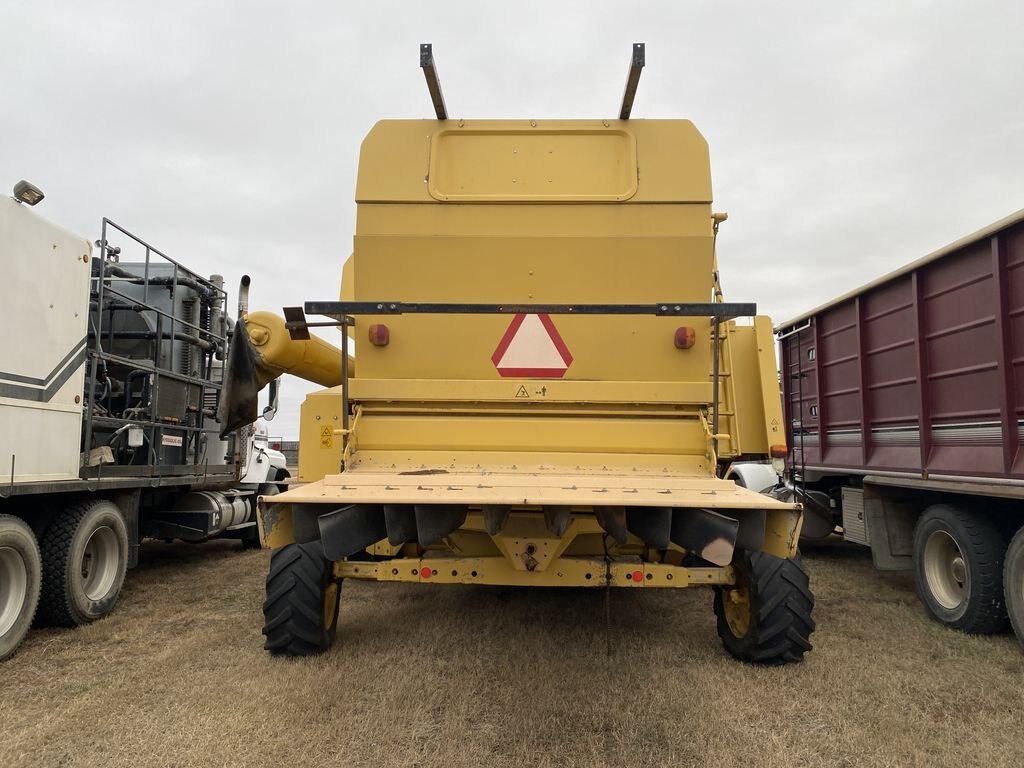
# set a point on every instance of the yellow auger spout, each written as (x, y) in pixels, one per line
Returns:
(261, 351)
(312, 359)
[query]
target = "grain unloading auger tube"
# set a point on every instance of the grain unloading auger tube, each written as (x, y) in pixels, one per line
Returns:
(571, 432)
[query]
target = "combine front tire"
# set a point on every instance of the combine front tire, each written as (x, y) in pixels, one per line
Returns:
(1013, 583)
(301, 609)
(765, 618)
(958, 565)
(20, 577)
(85, 555)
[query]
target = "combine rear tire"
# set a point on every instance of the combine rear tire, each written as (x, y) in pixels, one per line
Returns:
(958, 567)
(765, 618)
(85, 555)
(301, 609)
(1013, 583)
(20, 577)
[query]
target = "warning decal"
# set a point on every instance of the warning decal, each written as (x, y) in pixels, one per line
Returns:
(532, 347)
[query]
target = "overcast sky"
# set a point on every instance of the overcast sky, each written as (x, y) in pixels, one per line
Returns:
(846, 139)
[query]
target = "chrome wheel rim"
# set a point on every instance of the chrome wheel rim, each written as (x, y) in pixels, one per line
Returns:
(100, 563)
(945, 570)
(13, 587)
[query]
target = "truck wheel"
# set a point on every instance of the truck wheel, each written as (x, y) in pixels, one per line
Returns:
(1013, 583)
(20, 579)
(251, 537)
(85, 554)
(958, 567)
(301, 609)
(765, 618)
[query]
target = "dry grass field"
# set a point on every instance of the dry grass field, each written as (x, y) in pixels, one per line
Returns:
(457, 676)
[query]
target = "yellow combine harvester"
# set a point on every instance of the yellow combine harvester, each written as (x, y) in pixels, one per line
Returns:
(548, 384)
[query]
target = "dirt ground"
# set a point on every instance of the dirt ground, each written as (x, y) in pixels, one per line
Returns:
(461, 676)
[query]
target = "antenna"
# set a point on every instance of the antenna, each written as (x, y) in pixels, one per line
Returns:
(636, 65)
(433, 83)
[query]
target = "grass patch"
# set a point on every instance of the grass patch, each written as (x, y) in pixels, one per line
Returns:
(463, 676)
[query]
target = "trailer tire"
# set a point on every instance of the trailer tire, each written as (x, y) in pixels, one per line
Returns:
(85, 556)
(20, 582)
(766, 617)
(301, 609)
(1013, 584)
(958, 568)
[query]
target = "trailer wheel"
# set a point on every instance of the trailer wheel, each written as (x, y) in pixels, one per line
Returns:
(20, 579)
(765, 618)
(85, 555)
(301, 609)
(958, 567)
(1013, 584)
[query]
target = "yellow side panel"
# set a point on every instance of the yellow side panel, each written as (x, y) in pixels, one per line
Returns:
(746, 391)
(754, 388)
(771, 392)
(320, 448)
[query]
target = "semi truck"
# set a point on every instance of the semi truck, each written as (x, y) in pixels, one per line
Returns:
(112, 372)
(547, 388)
(904, 406)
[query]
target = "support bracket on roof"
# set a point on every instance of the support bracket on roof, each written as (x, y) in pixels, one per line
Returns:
(636, 65)
(433, 83)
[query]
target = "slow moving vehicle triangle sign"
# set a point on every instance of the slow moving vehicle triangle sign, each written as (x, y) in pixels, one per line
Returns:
(532, 347)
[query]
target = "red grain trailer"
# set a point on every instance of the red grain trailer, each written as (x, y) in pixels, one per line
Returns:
(904, 406)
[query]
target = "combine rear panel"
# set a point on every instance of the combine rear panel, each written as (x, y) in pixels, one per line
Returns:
(547, 382)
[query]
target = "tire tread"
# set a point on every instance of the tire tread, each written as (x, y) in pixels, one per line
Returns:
(55, 602)
(34, 599)
(986, 548)
(781, 622)
(293, 609)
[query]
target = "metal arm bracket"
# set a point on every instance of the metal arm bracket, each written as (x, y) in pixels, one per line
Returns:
(636, 65)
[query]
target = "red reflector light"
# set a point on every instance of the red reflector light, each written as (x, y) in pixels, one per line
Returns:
(778, 451)
(686, 337)
(426, 573)
(638, 575)
(379, 335)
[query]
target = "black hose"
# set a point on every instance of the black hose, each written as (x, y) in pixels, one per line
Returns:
(151, 335)
(204, 291)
